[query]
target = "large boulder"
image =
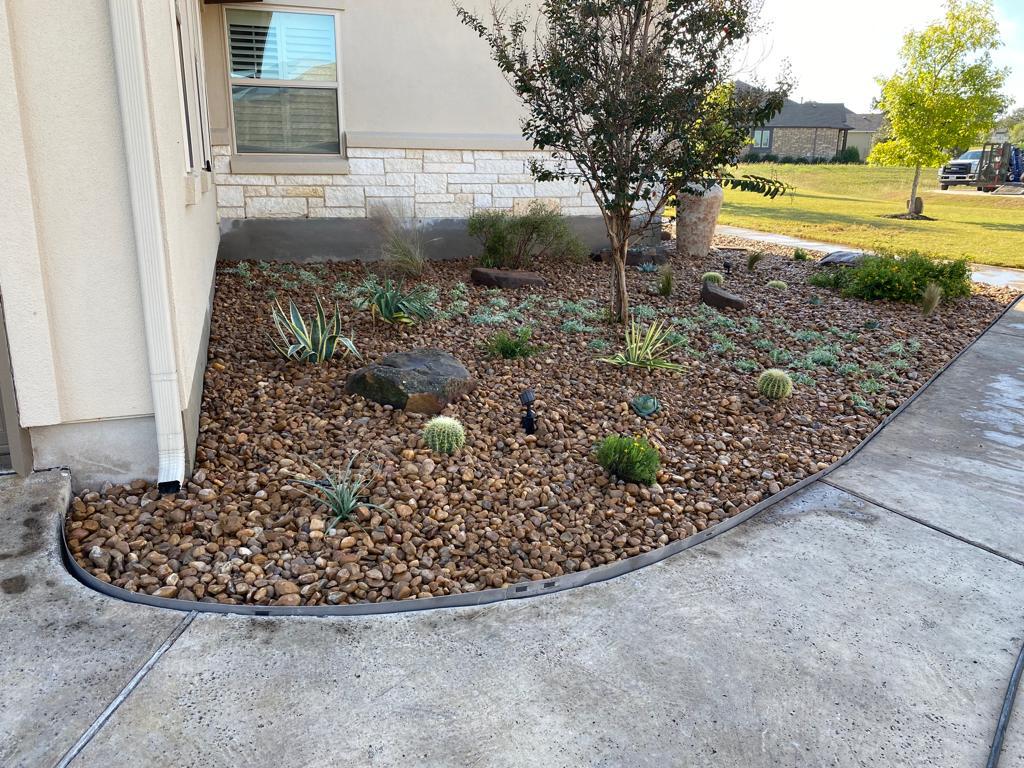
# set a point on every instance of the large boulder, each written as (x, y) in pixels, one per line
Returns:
(505, 278)
(719, 298)
(420, 380)
(635, 257)
(842, 259)
(696, 218)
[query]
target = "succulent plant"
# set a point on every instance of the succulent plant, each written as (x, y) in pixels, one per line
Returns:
(777, 285)
(775, 384)
(645, 405)
(650, 267)
(872, 325)
(712, 277)
(443, 434)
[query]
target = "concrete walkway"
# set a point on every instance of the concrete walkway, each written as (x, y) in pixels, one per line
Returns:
(873, 619)
(998, 276)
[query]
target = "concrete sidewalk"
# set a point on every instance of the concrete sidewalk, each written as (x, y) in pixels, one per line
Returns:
(873, 619)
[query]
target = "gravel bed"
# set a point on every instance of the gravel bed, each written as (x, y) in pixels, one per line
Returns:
(509, 507)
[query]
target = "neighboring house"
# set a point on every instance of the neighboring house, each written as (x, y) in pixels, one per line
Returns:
(808, 130)
(865, 131)
(131, 127)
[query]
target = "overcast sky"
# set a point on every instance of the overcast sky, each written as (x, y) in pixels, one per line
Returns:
(837, 50)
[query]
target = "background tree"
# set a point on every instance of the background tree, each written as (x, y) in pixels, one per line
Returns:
(946, 94)
(630, 97)
(1013, 122)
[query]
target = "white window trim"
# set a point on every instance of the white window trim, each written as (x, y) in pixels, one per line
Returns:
(766, 138)
(286, 162)
(197, 152)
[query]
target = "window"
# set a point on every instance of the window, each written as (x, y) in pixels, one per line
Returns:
(193, 86)
(763, 138)
(284, 82)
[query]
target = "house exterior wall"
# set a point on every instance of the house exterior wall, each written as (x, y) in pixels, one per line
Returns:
(70, 283)
(864, 141)
(807, 142)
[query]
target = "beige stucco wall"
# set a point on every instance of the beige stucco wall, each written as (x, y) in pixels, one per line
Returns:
(69, 277)
(864, 141)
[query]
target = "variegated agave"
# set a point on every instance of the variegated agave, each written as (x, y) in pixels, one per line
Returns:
(311, 342)
(646, 347)
(390, 302)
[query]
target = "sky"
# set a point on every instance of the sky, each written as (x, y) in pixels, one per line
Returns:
(836, 51)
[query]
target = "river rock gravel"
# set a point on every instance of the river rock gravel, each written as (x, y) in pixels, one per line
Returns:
(508, 507)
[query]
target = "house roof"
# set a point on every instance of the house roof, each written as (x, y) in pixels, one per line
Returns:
(811, 114)
(870, 122)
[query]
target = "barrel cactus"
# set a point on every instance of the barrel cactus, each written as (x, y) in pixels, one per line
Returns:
(443, 434)
(712, 277)
(775, 384)
(777, 285)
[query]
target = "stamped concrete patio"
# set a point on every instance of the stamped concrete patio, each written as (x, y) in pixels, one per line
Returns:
(872, 619)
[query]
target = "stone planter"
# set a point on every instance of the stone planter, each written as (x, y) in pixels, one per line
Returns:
(696, 218)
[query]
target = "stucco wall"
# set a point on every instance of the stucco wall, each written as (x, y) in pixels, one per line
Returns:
(864, 141)
(75, 318)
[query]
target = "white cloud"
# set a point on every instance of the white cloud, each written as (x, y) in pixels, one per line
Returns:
(836, 52)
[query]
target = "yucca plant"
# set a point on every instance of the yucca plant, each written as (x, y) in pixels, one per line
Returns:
(646, 348)
(342, 493)
(390, 302)
(310, 342)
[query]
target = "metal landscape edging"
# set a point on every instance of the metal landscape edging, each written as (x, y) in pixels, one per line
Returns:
(522, 589)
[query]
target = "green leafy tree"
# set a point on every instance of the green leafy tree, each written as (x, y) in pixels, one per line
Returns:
(946, 94)
(630, 97)
(1014, 123)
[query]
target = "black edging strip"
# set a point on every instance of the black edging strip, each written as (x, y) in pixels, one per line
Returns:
(522, 589)
(1004, 714)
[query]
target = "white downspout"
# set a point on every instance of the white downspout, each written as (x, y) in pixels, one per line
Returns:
(130, 64)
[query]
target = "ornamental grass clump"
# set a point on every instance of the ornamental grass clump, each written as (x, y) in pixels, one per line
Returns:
(930, 299)
(753, 259)
(775, 384)
(646, 348)
(665, 284)
(632, 459)
(513, 241)
(342, 493)
(402, 244)
(511, 346)
(314, 341)
(715, 278)
(443, 434)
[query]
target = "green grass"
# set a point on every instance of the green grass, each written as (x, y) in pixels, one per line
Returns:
(846, 203)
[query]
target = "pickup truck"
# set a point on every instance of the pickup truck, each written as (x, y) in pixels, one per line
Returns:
(962, 171)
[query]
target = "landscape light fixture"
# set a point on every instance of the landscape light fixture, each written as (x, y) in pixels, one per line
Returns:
(727, 266)
(529, 421)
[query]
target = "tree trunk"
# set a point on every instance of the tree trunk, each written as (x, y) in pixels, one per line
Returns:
(912, 202)
(620, 298)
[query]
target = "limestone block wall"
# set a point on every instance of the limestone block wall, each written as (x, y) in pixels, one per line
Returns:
(420, 183)
(806, 142)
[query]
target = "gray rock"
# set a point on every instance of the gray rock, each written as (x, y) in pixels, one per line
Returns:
(635, 257)
(843, 259)
(719, 298)
(420, 380)
(505, 278)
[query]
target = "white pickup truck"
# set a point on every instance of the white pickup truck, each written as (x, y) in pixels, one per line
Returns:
(962, 171)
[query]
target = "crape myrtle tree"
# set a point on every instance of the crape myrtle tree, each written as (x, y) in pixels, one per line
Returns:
(631, 98)
(946, 94)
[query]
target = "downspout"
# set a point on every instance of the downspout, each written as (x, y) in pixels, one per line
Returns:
(130, 65)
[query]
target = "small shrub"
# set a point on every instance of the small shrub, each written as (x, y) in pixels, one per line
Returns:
(509, 346)
(858, 402)
(401, 248)
(598, 345)
(848, 156)
(823, 356)
(896, 349)
(685, 323)
(665, 284)
(899, 364)
(775, 384)
(722, 345)
(342, 290)
(780, 356)
(644, 312)
(913, 346)
(814, 300)
(930, 299)
(753, 259)
(314, 341)
(876, 369)
(872, 325)
(512, 241)
(390, 302)
(443, 434)
(835, 278)
(645, 348)
(677, 339)
(905, 276)
(808, 336)
(632, 459)
(752, 325)
(777, 285)
(799, 254)
(849, 369)
(804, 380)
(872, 387)
(840, 333)
(747, 366)
(576, 326)
(762, 344)
(342, 493)
(309, 278)
(715, 278)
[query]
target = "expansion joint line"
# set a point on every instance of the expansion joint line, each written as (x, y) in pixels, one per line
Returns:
(100, 721)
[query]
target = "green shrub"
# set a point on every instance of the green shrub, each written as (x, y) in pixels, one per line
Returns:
(512, 241)
(645, 348)
(715, 278)
(443, 434)
(823, 356)
(644, 312)
(752, 325)
(342, 493)
(835, 278)
(632, 459)
(808, 335)
(390, 302)
(780, 356)
(722, 345)
(905, 277)
(762, 344)
(598, 345)
(747, 366)
(804, 380)
(509, 346)
(575, 325)
(848, 156)
(775, 384)
(312, 341)
(872, 387)
(849, 369)
(777, 285)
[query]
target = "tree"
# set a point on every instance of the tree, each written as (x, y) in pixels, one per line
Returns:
(946, 94)
(1013, 122)
(629, 97)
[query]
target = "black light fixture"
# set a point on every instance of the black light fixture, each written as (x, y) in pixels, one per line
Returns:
(727, 266)
(529, 421)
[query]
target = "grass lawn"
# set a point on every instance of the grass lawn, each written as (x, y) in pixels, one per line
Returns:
(846, 203)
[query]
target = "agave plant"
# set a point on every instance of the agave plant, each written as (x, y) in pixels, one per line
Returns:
(646, 348)
(342, 493)
(314, 341)
(390, 302)
(645, 405)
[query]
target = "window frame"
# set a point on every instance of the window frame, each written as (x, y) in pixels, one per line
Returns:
(286, 158)
(197, 151)
(766, 138)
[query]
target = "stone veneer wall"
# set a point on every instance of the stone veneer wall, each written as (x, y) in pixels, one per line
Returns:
(420, 183)
(806, 142)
